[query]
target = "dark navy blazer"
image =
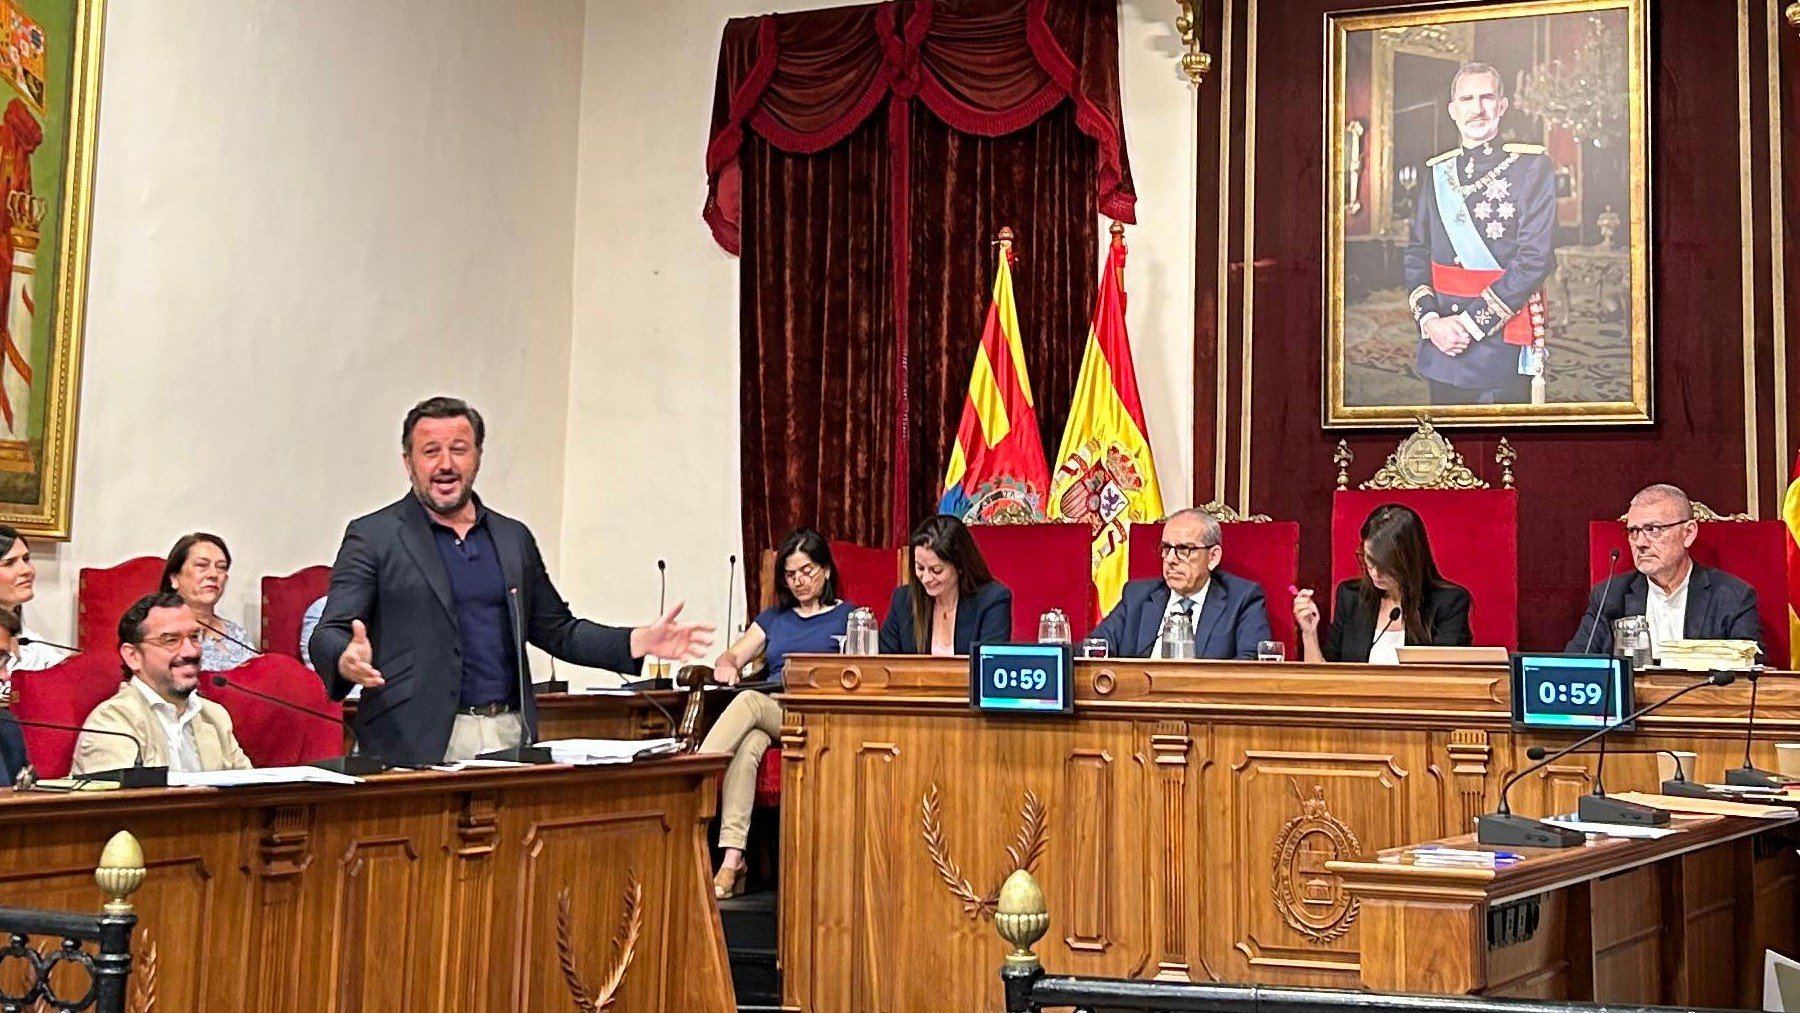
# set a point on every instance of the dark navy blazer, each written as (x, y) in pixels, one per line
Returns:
(1233, 618)
(986, 617)
(1719, 607)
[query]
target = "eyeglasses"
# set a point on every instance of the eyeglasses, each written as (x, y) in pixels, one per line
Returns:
(807, 572)
(170, 641)
(1651, 532)
(1182, 552)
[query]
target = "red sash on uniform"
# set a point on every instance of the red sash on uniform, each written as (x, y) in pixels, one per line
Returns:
(1521, 328)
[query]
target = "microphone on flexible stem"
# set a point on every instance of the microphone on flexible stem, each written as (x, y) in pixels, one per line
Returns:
(28, 641)
(1748, 775)
(1595, 806)
(229, 637)
(135, 776)
(526, 751)
(1677, 785)
(688, 731)
(354, 765)
(1393, 617)
(1612, 565)
(1503, 828)
(659, 667)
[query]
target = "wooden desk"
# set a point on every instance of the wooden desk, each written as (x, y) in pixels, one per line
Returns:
(410, 892)
(1180, 821)
(1682, 920)
(590, 715)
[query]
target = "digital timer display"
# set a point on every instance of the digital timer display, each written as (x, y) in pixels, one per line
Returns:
(1570, 691)
(1014, 678)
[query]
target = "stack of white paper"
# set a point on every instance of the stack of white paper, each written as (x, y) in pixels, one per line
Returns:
(586, 752)
(258, 776)
(1707, 655)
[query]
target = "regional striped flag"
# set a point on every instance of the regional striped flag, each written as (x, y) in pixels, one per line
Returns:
(997, 473)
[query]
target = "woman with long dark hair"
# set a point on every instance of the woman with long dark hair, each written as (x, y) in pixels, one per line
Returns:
(1400, 599)
(18, 585)
(950, 599)
(808, 617)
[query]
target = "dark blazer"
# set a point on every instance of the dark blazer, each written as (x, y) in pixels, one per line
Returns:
(12, 749)
(1233, 618)
(388, 574)
(1719, 607)
(986, 617)
(1353, 624)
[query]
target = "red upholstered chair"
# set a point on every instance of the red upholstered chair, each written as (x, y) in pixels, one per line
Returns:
(1256, 548)
(1474, 529)
(868, 576)
(1047, 566)
(284, 604)
(274, 736)
(105, 594)
(63, 694)
(1752, 551)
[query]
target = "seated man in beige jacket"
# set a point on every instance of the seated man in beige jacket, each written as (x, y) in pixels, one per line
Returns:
(159, 642)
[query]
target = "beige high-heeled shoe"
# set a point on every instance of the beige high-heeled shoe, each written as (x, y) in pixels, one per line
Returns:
(728, 882)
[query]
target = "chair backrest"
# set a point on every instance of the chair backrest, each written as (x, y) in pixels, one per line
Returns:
(1047, 566)
(284, 603)
(274, 736)
(1267, 552)
(1474, 537)
(867, 576)
(1752, 551)
(103, 596)
(62, 694)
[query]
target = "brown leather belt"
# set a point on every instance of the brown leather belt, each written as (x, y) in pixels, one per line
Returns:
(487, 710)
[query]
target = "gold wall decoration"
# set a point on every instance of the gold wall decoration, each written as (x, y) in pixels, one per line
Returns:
(1195, 62)
(1023, 853)
(1224, 514)
(1425, 459)
(1310, 899)
(624, 946)
(1449, 289)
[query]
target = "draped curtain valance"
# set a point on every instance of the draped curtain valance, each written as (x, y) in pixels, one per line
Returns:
(804, 81)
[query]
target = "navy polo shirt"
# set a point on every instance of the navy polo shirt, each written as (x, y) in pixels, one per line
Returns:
(478, 587)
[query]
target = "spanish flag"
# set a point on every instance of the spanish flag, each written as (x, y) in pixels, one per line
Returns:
(997, 473)
(1105, 474)
(1790, 514)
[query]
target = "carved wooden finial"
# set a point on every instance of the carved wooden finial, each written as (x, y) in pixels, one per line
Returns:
(1342, 457)
(1793, 14)
(1504, 456)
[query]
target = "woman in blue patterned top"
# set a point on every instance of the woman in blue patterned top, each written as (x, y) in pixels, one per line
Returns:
(808, 618)
(197, 569)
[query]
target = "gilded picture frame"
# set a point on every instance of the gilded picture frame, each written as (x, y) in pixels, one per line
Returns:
(1486, 215)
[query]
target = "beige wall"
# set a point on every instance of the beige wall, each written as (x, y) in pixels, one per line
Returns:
(307, 216)
(652, 466)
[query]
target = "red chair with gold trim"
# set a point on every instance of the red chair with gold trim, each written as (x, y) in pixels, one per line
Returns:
(1473, 527)
(284, 604)
(1255, 548)
(103, 595)
(1750, 550)
(1047, 566)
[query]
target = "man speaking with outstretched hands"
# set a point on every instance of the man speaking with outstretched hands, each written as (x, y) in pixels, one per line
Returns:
(433, 599)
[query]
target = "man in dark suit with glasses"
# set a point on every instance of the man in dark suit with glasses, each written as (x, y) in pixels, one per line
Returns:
(1227, 613)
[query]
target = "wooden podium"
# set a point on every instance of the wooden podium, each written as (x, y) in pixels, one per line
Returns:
(1181, 821)
(501, 889)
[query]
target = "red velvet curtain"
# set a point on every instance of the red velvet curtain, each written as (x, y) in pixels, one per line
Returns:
(860, 161)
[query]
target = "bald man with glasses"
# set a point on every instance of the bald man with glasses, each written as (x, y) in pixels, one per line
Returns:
(1227, 613)
(1681, 599)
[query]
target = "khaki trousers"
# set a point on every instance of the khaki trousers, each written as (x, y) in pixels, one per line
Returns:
(750, 723)
(473, 735)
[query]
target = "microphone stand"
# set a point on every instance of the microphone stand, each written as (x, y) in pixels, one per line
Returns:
(1597, 806)
(1748, 775)
(355, 765)
(135, 776)
(1502, 827)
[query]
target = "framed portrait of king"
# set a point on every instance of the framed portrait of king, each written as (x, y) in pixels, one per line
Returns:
(1487, 215)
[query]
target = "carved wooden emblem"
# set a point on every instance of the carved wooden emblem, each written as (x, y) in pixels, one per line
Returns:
(1023, 853)
(596, 998)
(1311, 900)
